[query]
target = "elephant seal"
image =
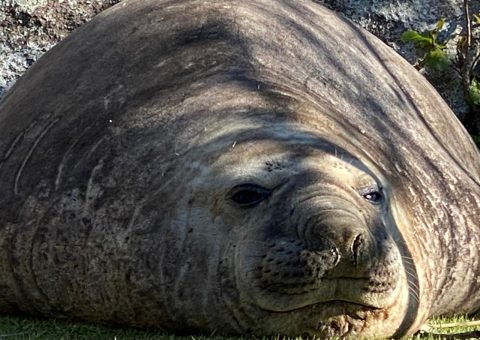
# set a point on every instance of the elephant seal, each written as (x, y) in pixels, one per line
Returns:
(244, 167)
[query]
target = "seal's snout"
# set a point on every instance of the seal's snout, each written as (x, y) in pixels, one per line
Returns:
(332, 249)
(323, 249)
(346, 237)
(344, 230)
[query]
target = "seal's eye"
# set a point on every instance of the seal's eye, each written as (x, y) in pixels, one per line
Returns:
(249, 195)
(373, 196)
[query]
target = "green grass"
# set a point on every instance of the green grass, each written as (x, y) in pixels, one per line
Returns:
(12, 328)
(25, 328)
(443, 325)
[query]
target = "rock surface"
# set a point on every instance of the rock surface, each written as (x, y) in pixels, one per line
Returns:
(28, 28)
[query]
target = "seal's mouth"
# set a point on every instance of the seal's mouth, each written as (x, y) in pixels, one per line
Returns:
(336, 293)
(341, 304)
(334, 303)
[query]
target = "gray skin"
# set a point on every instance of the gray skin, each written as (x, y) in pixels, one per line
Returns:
(244, 167)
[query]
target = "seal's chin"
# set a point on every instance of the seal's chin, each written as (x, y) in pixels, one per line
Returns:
(340, 314)
(336, 318)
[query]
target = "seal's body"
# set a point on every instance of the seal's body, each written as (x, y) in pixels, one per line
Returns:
(240, 166)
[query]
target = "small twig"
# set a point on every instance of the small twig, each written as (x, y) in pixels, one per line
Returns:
(456, 324)
(468, 44)
(12, 334)
(477, 58)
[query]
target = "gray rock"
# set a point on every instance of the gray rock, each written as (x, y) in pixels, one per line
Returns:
(27, 5)
(29, 28)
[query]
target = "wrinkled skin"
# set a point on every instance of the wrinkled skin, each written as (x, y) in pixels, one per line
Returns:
(239, 167)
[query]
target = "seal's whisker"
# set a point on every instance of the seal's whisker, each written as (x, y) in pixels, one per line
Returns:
(413, 287)
(414, 293)
(408, 260)
(412, 284)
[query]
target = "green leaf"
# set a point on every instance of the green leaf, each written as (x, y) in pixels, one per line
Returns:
(419, 40)
(437, 59)
(439, 25)
(410, 36)
(474, 92)
(476, 18)
(461, 41)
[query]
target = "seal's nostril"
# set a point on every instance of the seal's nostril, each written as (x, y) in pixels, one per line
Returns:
(356, 247)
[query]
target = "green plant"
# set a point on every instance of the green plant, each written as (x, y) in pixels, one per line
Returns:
(466, 62)
(427, 43)
(432, 55)
(474, 91)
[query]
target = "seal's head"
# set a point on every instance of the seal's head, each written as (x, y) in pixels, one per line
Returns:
(315, 243)
(297, 237)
